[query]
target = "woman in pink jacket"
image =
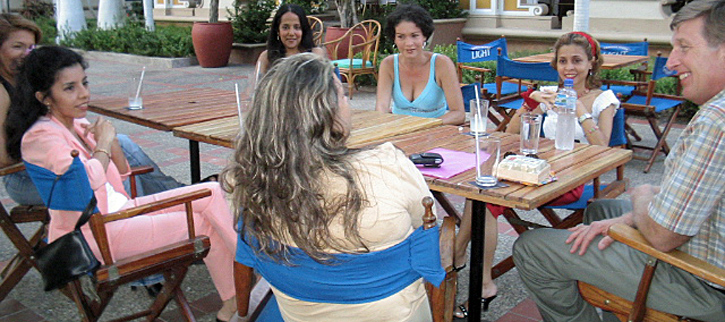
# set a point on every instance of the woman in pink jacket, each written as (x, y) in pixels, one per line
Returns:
(47, 122)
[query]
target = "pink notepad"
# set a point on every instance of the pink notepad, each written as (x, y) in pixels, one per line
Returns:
(454, 162)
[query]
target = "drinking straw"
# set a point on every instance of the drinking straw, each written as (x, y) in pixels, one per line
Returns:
(239, 106)
(140, 82)
(256, 75)
(476, 134)
(476, 115)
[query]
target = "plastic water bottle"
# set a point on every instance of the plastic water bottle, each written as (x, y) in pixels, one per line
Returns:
(565, 105)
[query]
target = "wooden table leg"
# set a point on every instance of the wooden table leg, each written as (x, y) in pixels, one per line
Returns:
(478, 238)
(194, 160)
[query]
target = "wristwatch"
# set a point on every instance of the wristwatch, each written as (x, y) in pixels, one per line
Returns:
(584, 117)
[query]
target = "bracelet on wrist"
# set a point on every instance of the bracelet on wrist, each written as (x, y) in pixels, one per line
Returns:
(104, 151)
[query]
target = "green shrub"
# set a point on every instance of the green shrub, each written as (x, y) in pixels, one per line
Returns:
(47, 26)
(133, 38)
(33, 9)
(441, 9)
(249, 20)
(310, 6)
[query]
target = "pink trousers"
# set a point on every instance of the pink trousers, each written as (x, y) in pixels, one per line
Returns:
(212, 218)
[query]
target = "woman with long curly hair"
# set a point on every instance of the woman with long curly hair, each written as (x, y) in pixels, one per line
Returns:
(298, 190)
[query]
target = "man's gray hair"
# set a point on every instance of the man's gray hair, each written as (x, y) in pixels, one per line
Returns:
(714, 13)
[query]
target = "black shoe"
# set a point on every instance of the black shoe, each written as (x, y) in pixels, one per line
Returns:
(464, 313)
(459, 268)
(487, 301)
(154, 289)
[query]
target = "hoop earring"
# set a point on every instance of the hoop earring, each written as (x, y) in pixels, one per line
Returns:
(425, 43)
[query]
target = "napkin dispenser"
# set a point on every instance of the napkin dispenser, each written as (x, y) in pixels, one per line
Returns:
(526, 170)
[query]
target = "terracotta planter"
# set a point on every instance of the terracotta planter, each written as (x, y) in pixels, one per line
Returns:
(332, 33)
(447, 30)
(212, 43)
(246, 53)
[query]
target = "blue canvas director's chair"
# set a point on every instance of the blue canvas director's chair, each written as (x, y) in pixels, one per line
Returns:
(520, 72)
(355, 278)
(71, 191)
(648, 104)
(635, 49)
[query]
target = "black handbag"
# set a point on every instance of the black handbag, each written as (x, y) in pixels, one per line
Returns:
(68, 257)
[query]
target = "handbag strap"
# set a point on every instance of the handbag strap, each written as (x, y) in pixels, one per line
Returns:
(87, 212)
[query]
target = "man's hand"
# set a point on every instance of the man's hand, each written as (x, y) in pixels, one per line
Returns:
(583, 235)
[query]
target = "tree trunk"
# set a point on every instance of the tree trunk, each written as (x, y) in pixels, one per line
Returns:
(110, 14)
(214, 11)
(346, 10)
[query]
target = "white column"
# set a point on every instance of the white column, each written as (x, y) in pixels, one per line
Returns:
(70, 17)
(148, 13)
(581, 15)
(110, 14)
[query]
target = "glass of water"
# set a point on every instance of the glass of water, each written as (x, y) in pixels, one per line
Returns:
(488, 150)
(530, 130)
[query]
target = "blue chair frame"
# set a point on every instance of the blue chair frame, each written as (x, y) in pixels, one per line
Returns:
(634, 48)
(508, 70)
(618, 138)
(467, 53)
(72, 191)
(645, 102)
(345, 280)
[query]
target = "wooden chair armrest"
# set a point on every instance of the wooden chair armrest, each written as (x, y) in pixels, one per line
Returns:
(633, 238)
(629, 107)
(668, 96)
(26, 213)
(155, 260)
(157, 205)
(141, 170)
(638, 71)
(12, 168)
(98, 221)
(447, 242)
(623, 82)
(477, 69)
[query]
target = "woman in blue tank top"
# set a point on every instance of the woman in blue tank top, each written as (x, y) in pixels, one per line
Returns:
(419, 82)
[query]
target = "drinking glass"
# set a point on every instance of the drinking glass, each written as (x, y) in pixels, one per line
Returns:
(135, 100)
(530, 130)
(478, 115)
(488, 150)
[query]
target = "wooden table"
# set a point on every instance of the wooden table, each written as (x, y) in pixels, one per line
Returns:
(610, 61)
(367, 126)
(165, 111)
(573, 168)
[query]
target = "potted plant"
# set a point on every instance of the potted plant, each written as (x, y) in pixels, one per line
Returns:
(249, 22)
(212, 40)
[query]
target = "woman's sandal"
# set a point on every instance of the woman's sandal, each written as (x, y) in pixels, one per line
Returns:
(459, 268)
(463, 311)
